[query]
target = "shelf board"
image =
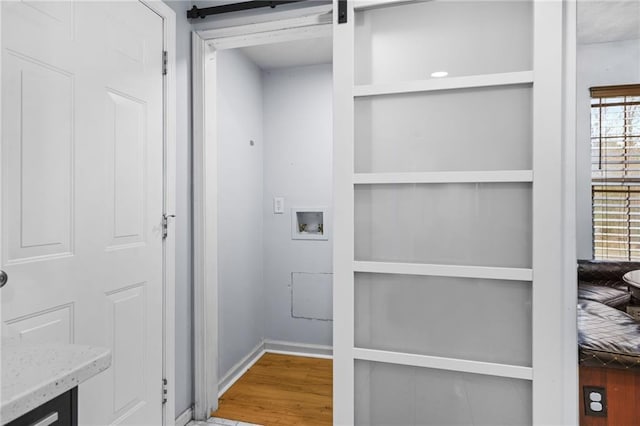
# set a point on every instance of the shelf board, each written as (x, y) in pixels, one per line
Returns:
(442, 363)
(483, 272)
(449, 83)
(492, 176)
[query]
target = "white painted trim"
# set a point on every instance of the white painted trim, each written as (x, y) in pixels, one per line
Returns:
(343, 220)
(441, 363)
(184, 418)
(548, 228)
(374, 4)
(485, 272)
(450, 83)
(570, 286)
(301, 354)
(275, 36)
(234, 374)
(298, 349)
(444, 177)
(205, 238)
(311, 16)
(169, 205)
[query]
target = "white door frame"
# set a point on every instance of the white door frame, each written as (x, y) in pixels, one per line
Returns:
(169, 119)
(169, 207)
(556, 399)
(314, 23)
(569, 351)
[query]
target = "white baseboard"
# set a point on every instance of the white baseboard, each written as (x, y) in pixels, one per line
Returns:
(240, 368)
(275, 347)
(298, 349)
(184, 418)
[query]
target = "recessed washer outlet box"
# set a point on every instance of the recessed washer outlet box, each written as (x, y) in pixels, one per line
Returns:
(309, 223)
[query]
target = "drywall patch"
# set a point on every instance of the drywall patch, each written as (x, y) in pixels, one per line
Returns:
(312, 295)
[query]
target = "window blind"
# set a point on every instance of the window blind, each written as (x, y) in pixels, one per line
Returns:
(615, 172)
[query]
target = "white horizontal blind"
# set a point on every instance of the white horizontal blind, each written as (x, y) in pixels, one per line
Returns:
(615, 176)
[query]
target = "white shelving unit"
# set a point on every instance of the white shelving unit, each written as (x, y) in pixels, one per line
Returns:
(355, 366)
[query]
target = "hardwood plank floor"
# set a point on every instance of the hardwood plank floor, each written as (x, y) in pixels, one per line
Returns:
(282, 390)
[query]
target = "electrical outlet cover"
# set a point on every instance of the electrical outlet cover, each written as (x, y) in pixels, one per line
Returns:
(278, 205)
(595, 401)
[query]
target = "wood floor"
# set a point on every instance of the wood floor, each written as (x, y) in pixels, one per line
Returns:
(282, 390)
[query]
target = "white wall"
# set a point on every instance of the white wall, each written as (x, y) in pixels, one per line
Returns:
(298, 167)
(287, 113)
(599, 64)
(183, 222)
(240, 172)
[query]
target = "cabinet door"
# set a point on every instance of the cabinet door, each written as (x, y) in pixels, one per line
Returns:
(60, 411)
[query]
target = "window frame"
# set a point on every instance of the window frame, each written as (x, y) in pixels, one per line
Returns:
(626, 183)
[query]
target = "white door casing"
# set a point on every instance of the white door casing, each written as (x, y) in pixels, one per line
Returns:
(83, 192)
(312, 22)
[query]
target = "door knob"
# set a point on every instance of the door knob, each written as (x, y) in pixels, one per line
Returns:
(3, 278)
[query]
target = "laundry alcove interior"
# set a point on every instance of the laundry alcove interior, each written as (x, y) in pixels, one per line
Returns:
(273, 124)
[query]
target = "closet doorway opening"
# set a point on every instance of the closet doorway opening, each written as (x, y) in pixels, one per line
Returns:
(263, 243)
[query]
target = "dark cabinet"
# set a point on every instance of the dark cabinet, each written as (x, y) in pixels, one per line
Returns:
(60, 411)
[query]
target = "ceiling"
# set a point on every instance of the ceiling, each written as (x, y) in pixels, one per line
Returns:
(601, 21)
(295, 53)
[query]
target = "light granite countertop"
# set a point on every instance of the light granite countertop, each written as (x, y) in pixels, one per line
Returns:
(34, 374)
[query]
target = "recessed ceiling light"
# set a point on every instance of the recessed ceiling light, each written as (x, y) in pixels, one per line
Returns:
(439, 74)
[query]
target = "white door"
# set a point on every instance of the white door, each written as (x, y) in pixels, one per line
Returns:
(447, 172)
(82, 192)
